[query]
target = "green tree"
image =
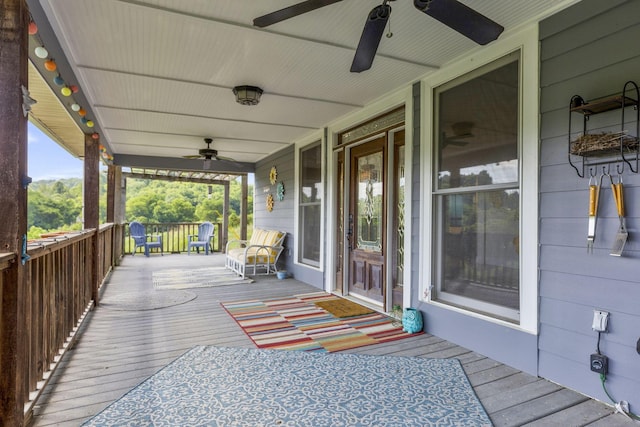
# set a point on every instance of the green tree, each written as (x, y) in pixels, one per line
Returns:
(176, 210)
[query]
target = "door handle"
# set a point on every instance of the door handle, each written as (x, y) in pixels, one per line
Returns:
(350, 231)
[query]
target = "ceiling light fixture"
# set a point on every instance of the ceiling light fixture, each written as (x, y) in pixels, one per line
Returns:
(247, 95)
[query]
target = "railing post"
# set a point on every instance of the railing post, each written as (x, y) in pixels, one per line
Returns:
(13, 207)
(243, 209)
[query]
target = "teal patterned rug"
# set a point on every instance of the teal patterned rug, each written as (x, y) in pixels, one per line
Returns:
(215, 386)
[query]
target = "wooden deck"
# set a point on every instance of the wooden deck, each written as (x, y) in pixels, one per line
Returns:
(117, 350)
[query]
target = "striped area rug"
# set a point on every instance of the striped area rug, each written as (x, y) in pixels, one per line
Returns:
(296, 323)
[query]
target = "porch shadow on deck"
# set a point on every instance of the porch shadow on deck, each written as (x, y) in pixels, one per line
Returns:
(118, 349)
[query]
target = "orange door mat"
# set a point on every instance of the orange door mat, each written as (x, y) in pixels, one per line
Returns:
(341, 308)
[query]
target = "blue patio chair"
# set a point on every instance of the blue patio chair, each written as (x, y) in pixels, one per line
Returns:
(202, 240)
(140, 239)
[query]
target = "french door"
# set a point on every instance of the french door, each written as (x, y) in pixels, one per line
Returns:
(367, 221)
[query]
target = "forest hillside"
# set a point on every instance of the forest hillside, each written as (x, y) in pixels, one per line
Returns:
(55, 205)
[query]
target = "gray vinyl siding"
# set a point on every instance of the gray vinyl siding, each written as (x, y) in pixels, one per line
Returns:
(283, 214)
(590, 49)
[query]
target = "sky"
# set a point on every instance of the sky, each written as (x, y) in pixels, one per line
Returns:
(48, 160)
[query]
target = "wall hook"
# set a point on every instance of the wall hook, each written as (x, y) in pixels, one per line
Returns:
(25, 256)
(26, 181)
(27, 101)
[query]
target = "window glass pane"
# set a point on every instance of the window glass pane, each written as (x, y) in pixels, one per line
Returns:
(311, 162)
(311, 192)
(477, 130)
(310, 217)
(479, 246)
(477, 240)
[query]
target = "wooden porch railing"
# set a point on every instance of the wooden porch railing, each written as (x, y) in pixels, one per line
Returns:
(57, 298)
(175, 236)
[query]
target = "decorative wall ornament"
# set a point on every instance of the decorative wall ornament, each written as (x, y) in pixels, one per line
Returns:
(269, 202)
(273, 175)
(280, 191)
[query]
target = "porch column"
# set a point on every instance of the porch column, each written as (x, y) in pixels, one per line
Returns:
(243, 209)
(225, 216)
(111, 193)
(114, 210)
(13, 207)
(92, 205)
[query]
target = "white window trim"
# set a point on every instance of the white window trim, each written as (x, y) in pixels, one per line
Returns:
(527, 42)
(299, 146)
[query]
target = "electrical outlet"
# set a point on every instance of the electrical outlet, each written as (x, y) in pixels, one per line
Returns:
(600, 320)
(599, 363)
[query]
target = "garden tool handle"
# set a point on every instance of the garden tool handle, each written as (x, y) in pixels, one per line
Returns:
(618, 194)
(593, 199)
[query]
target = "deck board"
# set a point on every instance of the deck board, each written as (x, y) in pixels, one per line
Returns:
(119, 349)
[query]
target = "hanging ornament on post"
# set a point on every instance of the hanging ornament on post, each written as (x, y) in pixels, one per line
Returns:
(33, 28)
(50, 65)
(41, 52)
(65, 91)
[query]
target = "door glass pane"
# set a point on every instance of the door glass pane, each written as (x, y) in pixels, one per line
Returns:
(370, 199)
(480, 244)
(400, 183)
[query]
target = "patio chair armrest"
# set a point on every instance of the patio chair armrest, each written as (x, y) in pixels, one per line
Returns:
(264, 250)
(238, 242)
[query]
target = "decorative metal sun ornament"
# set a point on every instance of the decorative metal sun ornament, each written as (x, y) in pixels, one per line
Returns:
(269, 202)
(273, 175)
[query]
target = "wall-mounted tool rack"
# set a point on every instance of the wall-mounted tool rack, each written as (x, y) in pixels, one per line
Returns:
(607, 147)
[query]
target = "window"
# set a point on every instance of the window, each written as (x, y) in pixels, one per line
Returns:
(477, 190)
(310, 205)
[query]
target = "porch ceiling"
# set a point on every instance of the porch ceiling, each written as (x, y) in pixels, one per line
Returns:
(156, 76)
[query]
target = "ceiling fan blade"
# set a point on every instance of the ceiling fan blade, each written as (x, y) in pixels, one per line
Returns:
(370, 38)
(290, 12)
(194, 156)
(226, 159)
(461, 18)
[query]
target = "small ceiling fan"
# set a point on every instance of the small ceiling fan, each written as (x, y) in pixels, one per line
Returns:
(452, 13)
(208, 154)
(461, 134)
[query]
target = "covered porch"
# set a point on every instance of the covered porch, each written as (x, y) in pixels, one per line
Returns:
(163, 81)
(118, 349)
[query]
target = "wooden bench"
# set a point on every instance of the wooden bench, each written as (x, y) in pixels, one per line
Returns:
(259, 255)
